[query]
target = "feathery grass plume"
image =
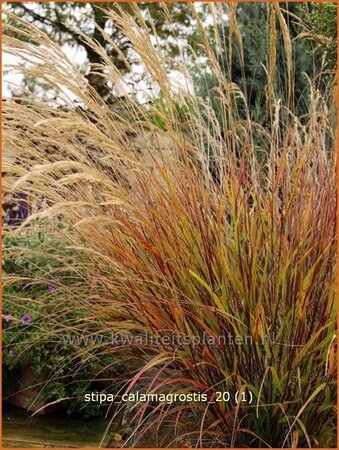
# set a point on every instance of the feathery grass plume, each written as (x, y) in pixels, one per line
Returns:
(213, 257)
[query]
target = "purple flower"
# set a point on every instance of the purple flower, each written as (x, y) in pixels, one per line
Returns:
(16, 210)
(7, 318)
(51, 287)
(26, 318)
(13, 353)
(111, 368)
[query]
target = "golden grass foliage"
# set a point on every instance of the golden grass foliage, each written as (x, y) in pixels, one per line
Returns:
(203, 227)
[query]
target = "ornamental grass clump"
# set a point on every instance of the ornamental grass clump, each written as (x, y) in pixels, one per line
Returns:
(206, 241)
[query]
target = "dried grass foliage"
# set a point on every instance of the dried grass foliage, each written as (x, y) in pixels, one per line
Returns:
(247, 248)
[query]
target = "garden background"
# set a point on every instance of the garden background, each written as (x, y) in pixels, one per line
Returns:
(169, 170)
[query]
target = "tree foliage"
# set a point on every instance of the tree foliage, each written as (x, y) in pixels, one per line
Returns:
(245, 52)
(65, 24)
